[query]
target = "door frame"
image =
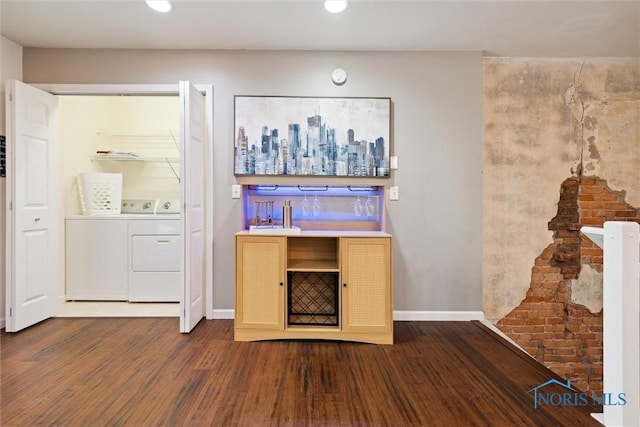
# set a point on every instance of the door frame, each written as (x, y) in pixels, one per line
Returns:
(164, 89)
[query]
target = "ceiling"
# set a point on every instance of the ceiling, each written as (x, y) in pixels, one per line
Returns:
(537, 28)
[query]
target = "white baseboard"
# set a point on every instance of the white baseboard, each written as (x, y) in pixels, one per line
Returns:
(398, 315)
(437, 315)
(223, 314)
(495, 329)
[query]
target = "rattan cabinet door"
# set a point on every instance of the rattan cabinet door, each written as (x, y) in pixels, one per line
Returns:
(260, 272)
(366, 285)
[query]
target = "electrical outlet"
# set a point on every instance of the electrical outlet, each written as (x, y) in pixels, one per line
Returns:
(235, 191)
(394, 193)
(393, 162)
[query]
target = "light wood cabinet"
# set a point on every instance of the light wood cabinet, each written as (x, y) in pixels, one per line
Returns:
(314, 285)
(366, 290)
(260, 271)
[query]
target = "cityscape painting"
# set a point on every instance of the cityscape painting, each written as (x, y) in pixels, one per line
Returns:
(277, 135)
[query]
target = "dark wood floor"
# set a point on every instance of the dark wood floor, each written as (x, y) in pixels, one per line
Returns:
(142, 372)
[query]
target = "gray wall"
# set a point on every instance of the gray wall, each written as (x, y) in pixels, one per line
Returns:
(436, 134)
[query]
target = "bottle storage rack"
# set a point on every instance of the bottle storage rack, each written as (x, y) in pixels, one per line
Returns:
(312, 279)
(312, 298)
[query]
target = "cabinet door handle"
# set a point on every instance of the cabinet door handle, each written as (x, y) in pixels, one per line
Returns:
(36, 219)
(344, 285)
(281, 284)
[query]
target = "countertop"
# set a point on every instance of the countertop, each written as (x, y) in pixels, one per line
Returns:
(314, 233)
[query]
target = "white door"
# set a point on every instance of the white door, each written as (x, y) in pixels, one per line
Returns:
(33, 230)
(192, 180)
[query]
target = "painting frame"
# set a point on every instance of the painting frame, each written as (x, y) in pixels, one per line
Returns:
(312, 136)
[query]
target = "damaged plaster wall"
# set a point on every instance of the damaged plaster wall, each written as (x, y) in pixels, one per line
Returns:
(587, 289)
(546, 120)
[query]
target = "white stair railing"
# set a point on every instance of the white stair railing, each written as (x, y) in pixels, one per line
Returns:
(620, 242)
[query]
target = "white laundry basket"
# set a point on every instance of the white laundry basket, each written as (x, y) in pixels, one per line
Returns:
(100, 193)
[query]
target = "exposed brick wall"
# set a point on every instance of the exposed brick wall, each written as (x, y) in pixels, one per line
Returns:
(567, 337)
(598, 203)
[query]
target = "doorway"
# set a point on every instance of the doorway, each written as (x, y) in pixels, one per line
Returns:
(136, 137)
(196, 129)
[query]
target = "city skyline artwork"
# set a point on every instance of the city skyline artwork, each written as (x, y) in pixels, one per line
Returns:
(312, 136)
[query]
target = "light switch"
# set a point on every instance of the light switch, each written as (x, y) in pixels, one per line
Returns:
(235, 191)
(394, 193)
(393, 162)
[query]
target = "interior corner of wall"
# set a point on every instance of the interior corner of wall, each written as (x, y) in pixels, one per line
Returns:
(498, 302)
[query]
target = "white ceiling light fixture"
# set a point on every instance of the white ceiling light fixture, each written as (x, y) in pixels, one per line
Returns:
(335, 6)
(159, 5)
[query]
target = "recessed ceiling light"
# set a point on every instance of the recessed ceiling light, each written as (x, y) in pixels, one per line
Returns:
(335, 6)
(159, 5)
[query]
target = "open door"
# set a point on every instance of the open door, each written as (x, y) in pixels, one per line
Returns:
(32, 272)
(192, 158)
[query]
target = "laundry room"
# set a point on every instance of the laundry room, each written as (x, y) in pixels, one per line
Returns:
(119, 178)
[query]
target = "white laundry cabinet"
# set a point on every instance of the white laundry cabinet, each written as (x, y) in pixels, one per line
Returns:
(123, 258)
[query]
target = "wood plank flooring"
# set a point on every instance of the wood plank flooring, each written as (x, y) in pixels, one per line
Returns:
(142, 372)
